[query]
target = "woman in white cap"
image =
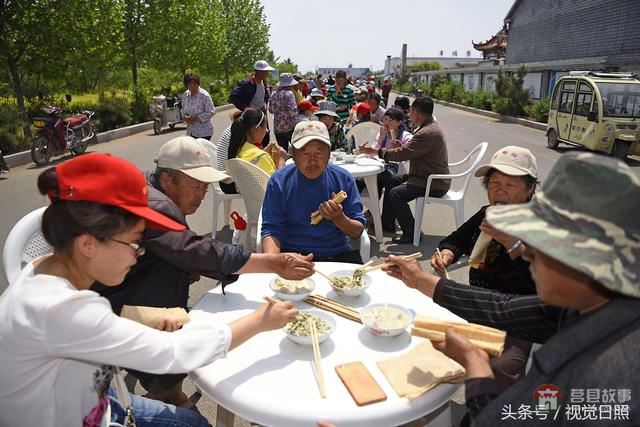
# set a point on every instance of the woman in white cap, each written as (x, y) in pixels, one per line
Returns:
(511, 177)
(61, 343)
(284, 108)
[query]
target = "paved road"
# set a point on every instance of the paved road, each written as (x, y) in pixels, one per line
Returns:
(463, 131)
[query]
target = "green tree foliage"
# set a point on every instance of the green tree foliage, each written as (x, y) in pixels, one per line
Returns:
(511, 96)
(286, 66)
(246, 35)
(424, 66)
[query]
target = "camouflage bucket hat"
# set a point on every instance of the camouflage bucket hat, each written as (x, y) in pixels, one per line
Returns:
(586, 217)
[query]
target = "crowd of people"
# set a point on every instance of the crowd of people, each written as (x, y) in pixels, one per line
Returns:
(557, 266)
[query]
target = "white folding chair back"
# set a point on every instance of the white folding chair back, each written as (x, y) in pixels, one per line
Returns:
(364, 243)
(252, 184)
(455, 196)
(24, 244)
(364, 133)
(219, 196)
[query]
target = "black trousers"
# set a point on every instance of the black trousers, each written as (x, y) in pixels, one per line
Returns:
(284, 139)
(397, 196)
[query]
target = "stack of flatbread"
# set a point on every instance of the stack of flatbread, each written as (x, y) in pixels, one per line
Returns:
(488, 339)
(418, 371)
(338, 198)
(151, 316)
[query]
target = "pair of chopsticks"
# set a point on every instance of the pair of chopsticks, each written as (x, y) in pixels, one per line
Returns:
(338, 198)
(316, 352)
(317, 358)
(388, 264)
(446, 273)
(334, 307)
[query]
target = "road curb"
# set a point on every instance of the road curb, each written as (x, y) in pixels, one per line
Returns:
(24, 157)
(503, 118)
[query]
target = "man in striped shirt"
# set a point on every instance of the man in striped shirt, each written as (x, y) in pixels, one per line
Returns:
(342, 95)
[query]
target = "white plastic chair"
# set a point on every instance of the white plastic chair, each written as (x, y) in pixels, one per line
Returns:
(24, 243)
(364, 133)
(219, 196)
(364, 243)
(252, 184)
(455, 196)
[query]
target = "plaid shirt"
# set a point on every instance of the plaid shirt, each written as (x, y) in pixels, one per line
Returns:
(200, 105)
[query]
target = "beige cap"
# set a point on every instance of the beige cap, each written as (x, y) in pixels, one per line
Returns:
(186, 155)
(308, 131)
(511, 160)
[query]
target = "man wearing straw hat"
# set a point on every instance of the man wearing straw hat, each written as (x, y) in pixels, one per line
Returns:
(581, 237)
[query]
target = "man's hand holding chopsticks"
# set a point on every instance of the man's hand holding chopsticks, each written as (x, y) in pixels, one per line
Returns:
(294, 266)
(410, 272)
(474, 360)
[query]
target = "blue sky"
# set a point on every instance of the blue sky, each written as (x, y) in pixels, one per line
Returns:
(336, 33)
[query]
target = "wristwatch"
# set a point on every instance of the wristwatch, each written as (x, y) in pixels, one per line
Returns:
(515, 246)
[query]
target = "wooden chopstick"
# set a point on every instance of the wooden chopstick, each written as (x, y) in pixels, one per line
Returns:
(446, 273)
(317, 358)
(269, 300)
(330, 279)
(387, 264)
(332, 306)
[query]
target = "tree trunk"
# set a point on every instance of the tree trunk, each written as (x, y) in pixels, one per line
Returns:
(17, 91)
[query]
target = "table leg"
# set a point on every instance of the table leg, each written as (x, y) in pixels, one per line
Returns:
(441, 417)
(371, 182)
(224, 417)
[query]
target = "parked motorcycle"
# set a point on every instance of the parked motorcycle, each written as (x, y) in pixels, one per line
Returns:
(56, 134)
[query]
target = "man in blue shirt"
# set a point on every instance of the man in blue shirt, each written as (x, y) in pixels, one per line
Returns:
(297, 190)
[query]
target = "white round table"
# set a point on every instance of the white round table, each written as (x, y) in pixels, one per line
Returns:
(368, 169)
(270, 380)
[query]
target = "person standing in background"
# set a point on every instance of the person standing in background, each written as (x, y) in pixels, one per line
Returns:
(342, 95)
(386, 90)
(197, 108)
(284, 108)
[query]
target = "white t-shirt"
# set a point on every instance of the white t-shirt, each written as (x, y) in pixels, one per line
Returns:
(56, 343)
(257, 101)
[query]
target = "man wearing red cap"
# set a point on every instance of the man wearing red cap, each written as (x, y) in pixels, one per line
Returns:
(306, 110)
(173, 260)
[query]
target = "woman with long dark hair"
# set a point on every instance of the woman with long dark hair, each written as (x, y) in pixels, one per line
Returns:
(247, 132)
(61, 343)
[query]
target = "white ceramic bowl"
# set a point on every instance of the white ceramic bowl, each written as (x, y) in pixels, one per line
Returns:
(349, 158)
(350, 292)
(306, 340)
(297, 296)
(381, 330)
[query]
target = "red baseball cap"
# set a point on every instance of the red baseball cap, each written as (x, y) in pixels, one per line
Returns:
(362, 108)
(307, 105)
(108, 180)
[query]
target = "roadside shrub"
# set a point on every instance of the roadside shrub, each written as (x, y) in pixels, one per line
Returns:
(140, 106)
(483, 100)
(514, 97)
(539, 110)
(11, 143)
(112, 113)
(450, 91)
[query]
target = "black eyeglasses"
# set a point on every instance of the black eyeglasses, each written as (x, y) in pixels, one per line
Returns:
(138, 247)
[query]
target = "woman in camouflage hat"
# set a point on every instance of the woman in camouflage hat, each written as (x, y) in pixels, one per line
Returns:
(581, 235)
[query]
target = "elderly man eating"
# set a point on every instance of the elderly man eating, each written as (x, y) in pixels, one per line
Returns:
(296, 191)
